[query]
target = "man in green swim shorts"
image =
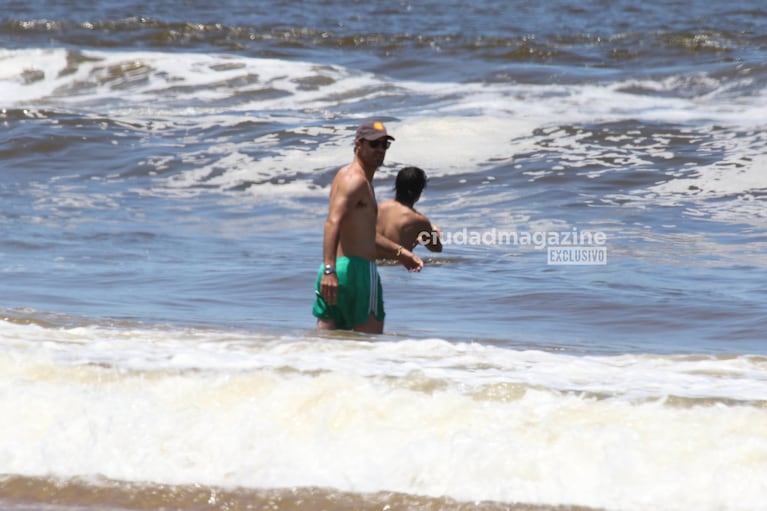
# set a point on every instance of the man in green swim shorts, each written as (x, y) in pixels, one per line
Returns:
(348, 288)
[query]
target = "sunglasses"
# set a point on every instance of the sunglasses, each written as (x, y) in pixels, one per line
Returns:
(375, 144)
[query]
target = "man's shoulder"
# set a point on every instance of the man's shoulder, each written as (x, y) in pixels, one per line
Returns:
(411, 213)
(405, 215)
(419, 219)
(389, 204)
(394, 208)
(350, 176)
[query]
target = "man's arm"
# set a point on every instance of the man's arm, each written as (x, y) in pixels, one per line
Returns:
(392, 250)
(429, 235)
(419, 229)
(337, 208)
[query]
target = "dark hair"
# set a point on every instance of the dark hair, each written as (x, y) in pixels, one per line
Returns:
(409, 184)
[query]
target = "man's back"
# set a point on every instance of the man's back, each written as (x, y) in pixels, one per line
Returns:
(403, 224)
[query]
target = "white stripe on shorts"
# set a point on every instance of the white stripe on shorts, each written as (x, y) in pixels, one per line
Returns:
(373, 297)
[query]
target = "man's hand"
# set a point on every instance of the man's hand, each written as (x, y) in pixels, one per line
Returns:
(409, 260)
(329, 288)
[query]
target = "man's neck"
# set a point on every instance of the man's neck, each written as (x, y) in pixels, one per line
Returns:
(368, 171)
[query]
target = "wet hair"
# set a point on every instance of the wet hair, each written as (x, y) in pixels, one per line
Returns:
(409, 184)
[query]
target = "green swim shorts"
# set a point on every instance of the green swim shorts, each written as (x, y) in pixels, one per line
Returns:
(359, 294)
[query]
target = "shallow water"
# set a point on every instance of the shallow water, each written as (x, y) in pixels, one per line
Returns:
(166, 170)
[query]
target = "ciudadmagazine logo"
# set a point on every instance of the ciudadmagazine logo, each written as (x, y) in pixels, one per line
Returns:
(570, 247)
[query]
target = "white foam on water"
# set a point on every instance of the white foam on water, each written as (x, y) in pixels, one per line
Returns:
(25, 75)
(463, 127)
(187, 81)
(456, 145)
(465, 364)
(429, 417)
(157, 80)
(738, 178)
(733, 189)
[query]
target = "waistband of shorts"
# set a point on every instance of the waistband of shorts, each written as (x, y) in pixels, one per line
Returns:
(356, 258)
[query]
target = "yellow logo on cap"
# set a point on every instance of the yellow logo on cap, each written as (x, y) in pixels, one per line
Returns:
(378, 125)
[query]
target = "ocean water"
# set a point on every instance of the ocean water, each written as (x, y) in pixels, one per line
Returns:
(165, 171)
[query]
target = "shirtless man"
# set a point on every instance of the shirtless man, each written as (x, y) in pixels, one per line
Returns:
(348, 288)
(400, 222)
